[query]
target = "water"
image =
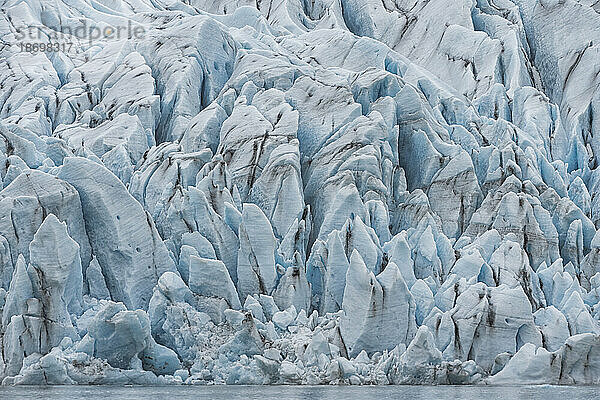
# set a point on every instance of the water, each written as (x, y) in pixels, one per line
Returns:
(300, 392)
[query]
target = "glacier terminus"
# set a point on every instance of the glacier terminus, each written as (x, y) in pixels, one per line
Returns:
(362, 192)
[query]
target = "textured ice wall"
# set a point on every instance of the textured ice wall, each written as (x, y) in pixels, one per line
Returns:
(300, 191)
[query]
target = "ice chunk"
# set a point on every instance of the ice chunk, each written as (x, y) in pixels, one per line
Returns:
(121, 337)
(293, 288)
(553, 326)
(55, 270)
(256, 256)
(379, 313)
(529, 366)
(210, 278)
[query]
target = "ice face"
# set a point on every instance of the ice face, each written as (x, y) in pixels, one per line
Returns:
(285, 191)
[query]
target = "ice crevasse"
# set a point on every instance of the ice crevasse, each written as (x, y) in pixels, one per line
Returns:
(303, 192)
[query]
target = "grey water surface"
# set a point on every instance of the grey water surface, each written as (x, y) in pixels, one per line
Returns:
(300, 392)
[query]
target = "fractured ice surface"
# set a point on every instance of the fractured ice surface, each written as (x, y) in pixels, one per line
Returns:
(301, 192)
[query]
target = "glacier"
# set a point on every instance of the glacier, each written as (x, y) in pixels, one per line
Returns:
(300, 192)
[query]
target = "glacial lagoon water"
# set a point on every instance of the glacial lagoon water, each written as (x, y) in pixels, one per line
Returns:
(300, 392)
